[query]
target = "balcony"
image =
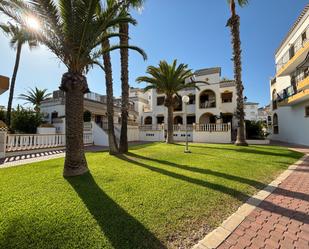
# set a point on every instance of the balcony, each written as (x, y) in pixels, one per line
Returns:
(303, 83)
(294, 56)
(4, 84)
(289, 97)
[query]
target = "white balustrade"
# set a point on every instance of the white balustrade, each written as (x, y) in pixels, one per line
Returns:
(22, 142)
(88, 138)
(213, 127)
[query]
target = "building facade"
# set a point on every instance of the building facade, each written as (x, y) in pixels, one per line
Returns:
(251, 111)
(212, 103)
(4, 84)
(53, 110)
(289, 88)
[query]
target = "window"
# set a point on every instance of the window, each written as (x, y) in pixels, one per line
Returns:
(192, 100)
(160, 120)
(276, 124)
(227, 97)
(292, 51)
(190, 120)
(160, 100)
(307, 111)
(304, 37)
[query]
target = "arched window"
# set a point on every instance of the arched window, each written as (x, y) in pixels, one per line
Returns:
(276, 124)
(178, 120)
(274, 99)
(207, 118)
(207, 99)
(148, 120)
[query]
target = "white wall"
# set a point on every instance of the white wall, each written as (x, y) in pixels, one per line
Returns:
(50, 107)
(212, 137)
(251, 112)
(133, 133)
(294, 35)
(152, 136)
(293, 125)
(100, 137)
(180, 136)
(46, 130)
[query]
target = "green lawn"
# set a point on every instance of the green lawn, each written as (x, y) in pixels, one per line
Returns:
(154, 197)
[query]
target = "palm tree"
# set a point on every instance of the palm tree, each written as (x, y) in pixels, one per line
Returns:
(124, 58)
(18, 38)
(122, 18)
(73, 32)
(35, 97)
(234, 24)
(169, 79)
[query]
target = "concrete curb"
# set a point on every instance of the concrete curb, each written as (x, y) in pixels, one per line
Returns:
(217, 236)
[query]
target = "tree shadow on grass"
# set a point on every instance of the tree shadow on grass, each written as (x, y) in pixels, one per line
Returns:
(251, 150)
(254, 183)
(243, 197)
(122, 230)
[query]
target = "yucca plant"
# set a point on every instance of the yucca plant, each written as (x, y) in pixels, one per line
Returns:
(35, 97)
(73, 31)
(169, 79)
(19, 37)
(234, 24)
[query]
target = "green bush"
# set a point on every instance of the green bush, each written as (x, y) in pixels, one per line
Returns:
(87, 116)
(2, 115)
(254, 130)
(25, 120)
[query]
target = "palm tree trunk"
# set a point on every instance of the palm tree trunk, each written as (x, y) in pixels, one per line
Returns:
(74, 85)
(124, 56)
(234, 24)
(12, 87)
(170, 132)
(113, 148)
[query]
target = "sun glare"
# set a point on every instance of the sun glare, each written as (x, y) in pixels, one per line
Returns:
(33, 23)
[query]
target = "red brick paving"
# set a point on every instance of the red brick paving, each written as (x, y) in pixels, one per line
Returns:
(281, 220)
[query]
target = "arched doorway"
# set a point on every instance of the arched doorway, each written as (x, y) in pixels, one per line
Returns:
(276, 124)
(178, 120)
(274, 99)
(207, 99)
(148, 120)
(207, 118)
(227, 117)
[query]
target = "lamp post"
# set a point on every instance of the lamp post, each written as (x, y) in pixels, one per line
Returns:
(185, 100)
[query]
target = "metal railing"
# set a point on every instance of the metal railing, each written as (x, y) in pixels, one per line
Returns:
(294, 48)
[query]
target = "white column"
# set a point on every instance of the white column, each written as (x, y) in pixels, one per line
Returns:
(2, 143)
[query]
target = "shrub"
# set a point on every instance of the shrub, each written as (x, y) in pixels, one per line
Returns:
(25, 120)
(87, 116)
(255, 130)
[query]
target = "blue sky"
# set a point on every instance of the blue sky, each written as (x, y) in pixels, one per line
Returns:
(193, 32)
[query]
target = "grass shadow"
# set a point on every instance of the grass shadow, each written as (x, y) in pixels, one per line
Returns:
(243, 197)
(251, 149)
(122, 230)
(254, 183)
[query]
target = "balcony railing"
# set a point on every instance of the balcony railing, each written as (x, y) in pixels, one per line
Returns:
(207, 104)
(296, 46)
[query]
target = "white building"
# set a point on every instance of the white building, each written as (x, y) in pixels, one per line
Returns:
(53, 110)
(290, 87)
(211, 103)
(251, 111)
(209, 115)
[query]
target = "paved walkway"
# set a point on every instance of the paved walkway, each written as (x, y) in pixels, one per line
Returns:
(281, 220)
